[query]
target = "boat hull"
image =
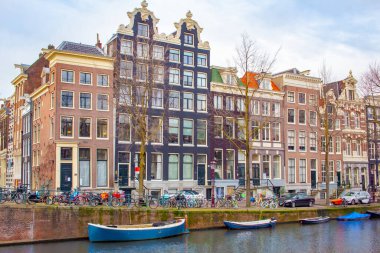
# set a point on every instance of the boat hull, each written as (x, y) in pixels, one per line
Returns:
(373, 214)
(317, 220)
(100, 233)
(353, 217)
(250, 225)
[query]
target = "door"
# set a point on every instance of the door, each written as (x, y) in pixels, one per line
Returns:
(363, 182)
(241, 173)
(66, 176)
(338, 180)
(256, 174)
(123, 174)
(313, 179)
(201, 174)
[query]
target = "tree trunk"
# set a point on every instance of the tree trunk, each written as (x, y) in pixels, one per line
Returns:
(327, 167)
(247, 147)
(142, 166)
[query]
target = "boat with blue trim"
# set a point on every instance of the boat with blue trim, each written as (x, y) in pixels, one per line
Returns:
(250, 224)
(103, 233)
(315, 220)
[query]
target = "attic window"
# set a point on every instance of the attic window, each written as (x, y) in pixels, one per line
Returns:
(142, 30)
(188, 39)
(265, 84)
(351, 95)
(229, 79)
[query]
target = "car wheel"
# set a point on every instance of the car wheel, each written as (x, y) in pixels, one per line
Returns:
(293, 204)
(353, 202)
(311, 203)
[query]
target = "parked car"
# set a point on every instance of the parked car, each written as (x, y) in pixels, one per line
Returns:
(356, 197)
(281, 200)
(299, 199)
(189, 194)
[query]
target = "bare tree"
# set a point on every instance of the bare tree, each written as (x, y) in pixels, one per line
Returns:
(139, 90)
(254, 64)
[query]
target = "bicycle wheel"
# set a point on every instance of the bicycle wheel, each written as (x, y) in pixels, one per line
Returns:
(153, 203)
(273, 204)
(30, 200)
(264, 204)
(18, 198)
(49, 200)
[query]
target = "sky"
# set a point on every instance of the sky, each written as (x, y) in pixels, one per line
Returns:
(345, 34)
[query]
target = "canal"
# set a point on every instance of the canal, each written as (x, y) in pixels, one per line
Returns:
(353, 236)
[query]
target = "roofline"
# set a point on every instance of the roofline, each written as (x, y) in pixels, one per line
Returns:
(49, 53)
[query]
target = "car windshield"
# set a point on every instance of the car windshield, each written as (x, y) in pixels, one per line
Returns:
(348, 194)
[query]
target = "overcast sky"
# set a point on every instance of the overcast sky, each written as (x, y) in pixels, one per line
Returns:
(344, 33)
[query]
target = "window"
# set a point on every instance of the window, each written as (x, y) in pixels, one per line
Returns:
(141, 96)
(142, 30)
(188, 58)
(229, 79)
(102, 102)
(157, 98)
(256, 107)
(174, 100)
(67, 76)
(230, 128)
(291, 96)
(302, 171)
(255, 130)
(291, 116)
(301, 98)
(351, 95)
(276, 166)
(188, 39)
(313, 141)
(101, 167)
(291, 137)
(142, 50)
(357, 120)
(67, 99)
(240, 104)
(276, 109)
(218, 127)
(188, 101)
(102, 128)
(370, 113)
(85, 78)
(230, 104)
(125, 95)
(67, 126)
(302, 141)
(126, 69)
(201, 103)
(337, 145)
(126, 47)
(241, 132)
(372, 150)
(265, 84)
(202, 60)
(218, 156)
(230, 160)
(302, 117)
(218, 102)
(291, 170)
(202, 80)
(85, 127)
(188, 78)
(188, 167)
(158, 74)
(173, 130)
(312, 100)
(52, 100)
(67, 154)
(266, 131)
(265, 108)
(158, 52)
(313, 118)
(266, 166)
(156, 167)
(276, 131)
(173, 167)
(156, 129)
(174, 55)
(187, 135)
(84, 167)
(347, 119)
(124, 129)
(141, 72)
(348, 147)
(103, 80)
(173, 76)
(85, 100)
(202, 132)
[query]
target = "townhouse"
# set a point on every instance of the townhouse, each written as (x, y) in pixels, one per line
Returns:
(4, 124)
(373, 138)
(164, 79)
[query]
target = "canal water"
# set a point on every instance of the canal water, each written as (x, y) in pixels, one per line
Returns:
(351, 236)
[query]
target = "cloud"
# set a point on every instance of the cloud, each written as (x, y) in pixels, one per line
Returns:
(344, 33)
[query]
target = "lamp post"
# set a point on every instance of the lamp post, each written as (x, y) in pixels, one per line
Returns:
(213, 163)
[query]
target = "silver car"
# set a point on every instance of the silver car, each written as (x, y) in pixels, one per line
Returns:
(355, 197)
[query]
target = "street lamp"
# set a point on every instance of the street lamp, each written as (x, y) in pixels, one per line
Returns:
(213, 163)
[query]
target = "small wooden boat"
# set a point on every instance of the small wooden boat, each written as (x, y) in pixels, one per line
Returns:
(315, 220)
(101, 233)
(374, 214)
(353, 216)
(250, 224)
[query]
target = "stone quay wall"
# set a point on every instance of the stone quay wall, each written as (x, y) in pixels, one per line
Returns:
(27, 224)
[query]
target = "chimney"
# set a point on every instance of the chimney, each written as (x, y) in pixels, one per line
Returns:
(51, 46)
(98, 43)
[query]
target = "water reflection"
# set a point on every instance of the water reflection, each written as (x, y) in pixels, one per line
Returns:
(356, 236)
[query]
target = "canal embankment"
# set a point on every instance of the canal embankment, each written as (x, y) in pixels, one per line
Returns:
(27, 224)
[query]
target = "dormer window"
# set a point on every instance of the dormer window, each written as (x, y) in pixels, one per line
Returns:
(142, 30)
(351, 95)
(229, 79)
(265, 84)
(188, 39)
